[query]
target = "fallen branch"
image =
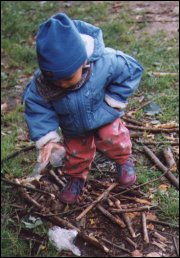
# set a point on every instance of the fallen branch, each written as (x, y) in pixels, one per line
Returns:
(162, 73)
(133, 121)
(117, 221)
(136, 187)
(158, 163)
(91, 239)
(176, 246)
(27, 187)
(140, 209)
(170, 159)
(16, 153)
(27, 197)
(136, 134)
(145, 142)
(129, 224)
(117, 246)
(131, 242)
(56, 178)
(101, 197)
(163, 223)
(145, 232)
(160, 237)
(152, 129)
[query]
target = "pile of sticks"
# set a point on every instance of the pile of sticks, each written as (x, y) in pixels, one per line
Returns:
(104, 197)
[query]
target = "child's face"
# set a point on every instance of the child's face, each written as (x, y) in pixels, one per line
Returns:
(70, 82)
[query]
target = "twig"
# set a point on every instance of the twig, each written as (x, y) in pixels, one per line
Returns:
(102, 196)
(27, 197)
(146, 237)
(27, 187)
(117, 221)
(158, 163)
(131, 242)
(170, 159)
(139, 186)
(152, 129)
(16, 153)
(117, 246)
(56, 178)
(176, 247)
(144, 104)
(162, 73)
(129, 224)
(144, 208)
(136, 134)
(145, 142)
(133, 121)
(90, 239)
(160, 237)
(163, 223)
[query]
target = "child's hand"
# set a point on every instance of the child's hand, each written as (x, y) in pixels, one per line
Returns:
(45, 152)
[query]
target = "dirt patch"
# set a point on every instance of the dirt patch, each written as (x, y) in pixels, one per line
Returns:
(150, 17)
(158, 16)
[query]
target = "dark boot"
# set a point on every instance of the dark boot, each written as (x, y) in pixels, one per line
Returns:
(126, 173)
(72, 190)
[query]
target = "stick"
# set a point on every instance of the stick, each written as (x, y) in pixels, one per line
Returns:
(136, 134)
(57, 179)
(170, 159)
(133, 121)
(144, 208)
(16, 153)
(152, 129)
(129, 224)
(145, 142)
(117, 221)
(102, 196)
(162, 73)
(117, 246)
(136, 187)
(27, 187)
(158, 163)
(27, 197)
(176, 247)
(131, 242)
(160, 237)
(163, 223)
(90, 239)
(146, 237)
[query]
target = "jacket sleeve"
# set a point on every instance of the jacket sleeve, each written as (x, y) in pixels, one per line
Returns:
(126, 76)
(40, 117)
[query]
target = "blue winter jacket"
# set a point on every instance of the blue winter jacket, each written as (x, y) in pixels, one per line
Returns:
(115, 74)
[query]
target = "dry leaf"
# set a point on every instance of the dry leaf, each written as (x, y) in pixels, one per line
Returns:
(164, 187)
(132, 215)
(136, 253)
(150, 226)
(151, 216)
(143, 201)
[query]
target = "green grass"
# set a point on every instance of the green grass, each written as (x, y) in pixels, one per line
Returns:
(20, 22)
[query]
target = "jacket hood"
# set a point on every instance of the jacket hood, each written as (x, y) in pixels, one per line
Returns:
(94, 33)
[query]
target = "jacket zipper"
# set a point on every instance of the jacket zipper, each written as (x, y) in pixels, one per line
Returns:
(80, 111)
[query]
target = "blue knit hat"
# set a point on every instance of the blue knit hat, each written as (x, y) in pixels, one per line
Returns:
(60, 48)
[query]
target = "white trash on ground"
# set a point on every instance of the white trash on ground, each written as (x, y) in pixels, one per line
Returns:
(63, 239)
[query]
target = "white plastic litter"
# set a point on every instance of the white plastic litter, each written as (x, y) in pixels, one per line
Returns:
(63, 239)
(57, 157)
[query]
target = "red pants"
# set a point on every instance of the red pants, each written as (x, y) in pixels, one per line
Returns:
(112, 139)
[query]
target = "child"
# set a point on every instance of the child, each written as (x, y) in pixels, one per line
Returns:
(81, 87)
